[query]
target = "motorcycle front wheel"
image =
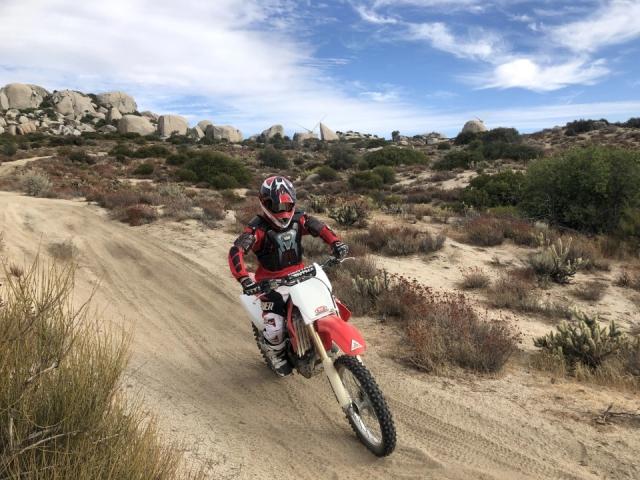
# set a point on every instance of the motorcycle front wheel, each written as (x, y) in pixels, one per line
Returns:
(368, 413)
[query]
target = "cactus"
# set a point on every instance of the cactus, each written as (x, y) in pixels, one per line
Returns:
(318, 203)
(372, 287)
(350, 214)
(583, 340)
(555, 262)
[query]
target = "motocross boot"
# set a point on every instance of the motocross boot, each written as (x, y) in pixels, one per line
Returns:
(277, 356)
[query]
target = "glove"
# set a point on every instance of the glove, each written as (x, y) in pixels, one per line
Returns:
(340, 250)
(249, 287)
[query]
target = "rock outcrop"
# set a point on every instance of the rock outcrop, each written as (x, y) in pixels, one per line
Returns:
(120, 100)
(135, 124)
(150, 115)
(224, 132)
(196, 133)
(272, 131)
(170, 124)
(69, 102)
(203, 124)
(326, 134)
(474, 126)
(113, 115)
(300, 137)
(21, 96)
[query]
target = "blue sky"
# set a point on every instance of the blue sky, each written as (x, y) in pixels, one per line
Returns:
(368, 65)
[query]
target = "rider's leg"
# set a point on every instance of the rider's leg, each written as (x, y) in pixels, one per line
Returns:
(274, 310)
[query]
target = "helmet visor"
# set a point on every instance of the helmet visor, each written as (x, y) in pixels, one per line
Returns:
(279, 207)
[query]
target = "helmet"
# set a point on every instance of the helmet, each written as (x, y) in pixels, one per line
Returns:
(278, 200)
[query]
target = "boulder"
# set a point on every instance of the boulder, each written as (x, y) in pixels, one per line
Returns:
(3, 122)
(23, 119)
(108, 129)
(69, 102)
(135, 124)
(474, 126)
(203, 124)
(150, 115)
(223, 132)
(120, 100)
(196, 133)
(326, 134)
(11, 130)
(272, 131)
(114, 114)
(1, 130)
(21, 96)
(300, 137)
(170, 124)
(26, 128)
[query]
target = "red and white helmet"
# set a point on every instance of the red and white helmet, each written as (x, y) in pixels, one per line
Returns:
(278, 200)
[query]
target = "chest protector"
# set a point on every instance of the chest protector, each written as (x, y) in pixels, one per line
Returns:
(281, 248)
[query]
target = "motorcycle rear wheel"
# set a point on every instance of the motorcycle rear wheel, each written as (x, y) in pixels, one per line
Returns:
(368, 415)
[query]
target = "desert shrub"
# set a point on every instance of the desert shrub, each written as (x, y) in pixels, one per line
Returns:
(136, 215)
(485, 191)
(386, 173)
(484, 231)
(626, 279)
(80, 156)
(592, 291)
(465, 138)
(500, 135)
(185, 175)
(585, 189)
(632, 123)
(216, 169)
(474, 278)
(555, 263)
(65, 415)
(35, 184)
(327, 173)
(9, 149)
(402, 240)
(583, 340)
(341, 156)
(314, 247)
(121, 198)
(443, 329)
(367, 180)
(177, 159)
(582, 126)
(212, 210)
(64, 250)
(144, 169)
(444, 146)
(458, 159)
(150, 151)
(319, 203)
(352, 213)
(273, 158)
(394, 156)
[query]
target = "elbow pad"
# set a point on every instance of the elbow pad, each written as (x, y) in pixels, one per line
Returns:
(245, 241)
(313, 225)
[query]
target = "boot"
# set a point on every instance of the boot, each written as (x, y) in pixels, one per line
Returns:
(277, 356)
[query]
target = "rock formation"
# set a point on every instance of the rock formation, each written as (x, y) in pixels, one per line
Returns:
(203, 124)
(272, 131)
(120, 100)
(224, 132)
(135, 124)
(474, 126)
(69, 102)
(114, 114)
(170, 124)
(326, 134)
(21, 96)
(300, 137)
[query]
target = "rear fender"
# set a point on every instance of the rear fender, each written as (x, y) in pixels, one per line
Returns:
(332, 329)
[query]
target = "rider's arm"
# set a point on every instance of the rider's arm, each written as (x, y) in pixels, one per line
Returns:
(313, 226)
(250, 239)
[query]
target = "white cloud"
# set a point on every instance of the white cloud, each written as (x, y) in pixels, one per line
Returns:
(527, 73)
(479, 44)
(616, 22)
(371, 16)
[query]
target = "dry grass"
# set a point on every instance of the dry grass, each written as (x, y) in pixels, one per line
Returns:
(63, 251)
(474, 278)
(399, 240)
(64, 415)
(592, 291)
(136, 215)
(483, 231)
(627, 279)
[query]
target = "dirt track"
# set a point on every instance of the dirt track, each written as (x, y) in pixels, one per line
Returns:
(195, 363)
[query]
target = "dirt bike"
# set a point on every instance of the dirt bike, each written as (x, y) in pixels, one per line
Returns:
(321, 339)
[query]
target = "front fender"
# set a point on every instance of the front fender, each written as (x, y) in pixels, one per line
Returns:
(332, 329)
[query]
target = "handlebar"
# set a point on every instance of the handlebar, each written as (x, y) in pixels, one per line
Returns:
(299, 276)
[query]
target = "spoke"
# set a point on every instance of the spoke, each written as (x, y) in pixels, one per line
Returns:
(363, 414)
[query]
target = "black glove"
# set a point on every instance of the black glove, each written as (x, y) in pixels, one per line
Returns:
(249, 287)
(340, 250)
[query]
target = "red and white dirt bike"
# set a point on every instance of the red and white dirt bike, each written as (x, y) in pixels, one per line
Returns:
(320, 338)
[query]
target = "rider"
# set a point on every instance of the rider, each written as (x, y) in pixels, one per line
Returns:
(275, 236)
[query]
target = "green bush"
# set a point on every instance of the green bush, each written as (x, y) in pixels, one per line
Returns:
(177, 159)
(341, 156)
(144, 169)
(501, 189)
(386, 173)
(458, 159)
(80, 156)
(590, 189)
(367, 180)
(519, 152)
(274, 158)
(351, 214)
(9, 149)
(444, 146)
(395, 156)
(327, 173)
(632, 123)
(185, 175)
(582, 126)
(555, 262)
(151, 151)
(218, 170)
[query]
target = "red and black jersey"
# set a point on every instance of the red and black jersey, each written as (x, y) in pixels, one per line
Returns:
(279, 252)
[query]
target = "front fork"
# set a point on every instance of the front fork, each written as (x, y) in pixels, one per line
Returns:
(332, 374)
